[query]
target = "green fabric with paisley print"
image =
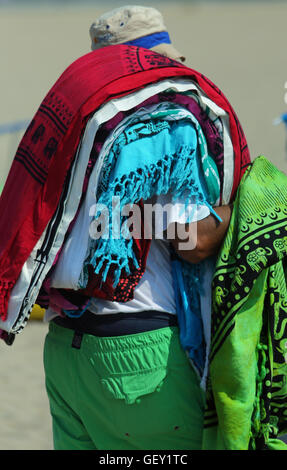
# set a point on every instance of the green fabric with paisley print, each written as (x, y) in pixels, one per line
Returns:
(247, 387)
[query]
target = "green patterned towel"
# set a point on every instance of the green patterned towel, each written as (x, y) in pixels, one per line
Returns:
(247, 387)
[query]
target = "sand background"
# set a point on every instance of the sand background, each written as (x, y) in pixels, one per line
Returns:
(240, 46)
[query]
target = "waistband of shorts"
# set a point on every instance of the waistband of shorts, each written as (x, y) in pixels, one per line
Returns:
(119, 324)
(114, 344)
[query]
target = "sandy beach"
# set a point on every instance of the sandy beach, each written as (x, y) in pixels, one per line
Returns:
(240, 46)
(24, 409)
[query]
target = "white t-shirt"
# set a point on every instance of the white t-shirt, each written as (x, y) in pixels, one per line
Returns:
(155, 289)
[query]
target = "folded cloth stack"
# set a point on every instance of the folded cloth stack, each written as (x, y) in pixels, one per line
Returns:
(47, 183)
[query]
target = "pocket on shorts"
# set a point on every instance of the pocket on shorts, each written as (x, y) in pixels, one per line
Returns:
(131, 386)
(133, 366)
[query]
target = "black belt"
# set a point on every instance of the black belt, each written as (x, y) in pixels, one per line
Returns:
(118, 324)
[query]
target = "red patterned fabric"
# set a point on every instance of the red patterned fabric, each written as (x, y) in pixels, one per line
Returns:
(45, 154)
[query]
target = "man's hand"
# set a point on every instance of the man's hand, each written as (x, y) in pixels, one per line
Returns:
(205, 236)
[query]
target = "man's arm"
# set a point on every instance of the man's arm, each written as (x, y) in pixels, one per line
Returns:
(205, 236)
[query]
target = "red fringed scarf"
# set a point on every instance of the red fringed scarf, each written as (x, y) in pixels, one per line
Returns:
(44, 156)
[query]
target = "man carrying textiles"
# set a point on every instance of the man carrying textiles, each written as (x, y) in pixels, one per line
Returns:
(141, 391)
(128, 132)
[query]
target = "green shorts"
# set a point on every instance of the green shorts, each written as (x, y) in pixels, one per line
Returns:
(126, 392)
